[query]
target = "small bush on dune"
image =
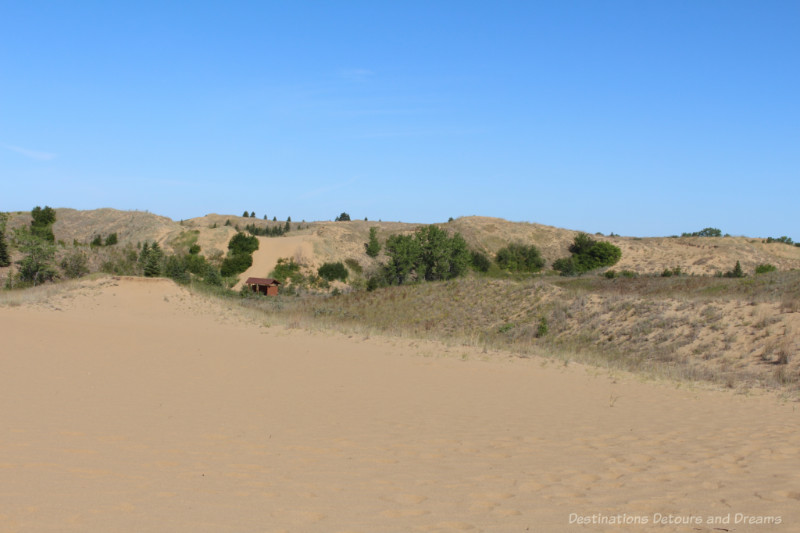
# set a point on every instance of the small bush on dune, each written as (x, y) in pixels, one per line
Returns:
(765, 268)
(175, 268)
(75, 264)
(212, 276)
(587, 254)
(243, 244)
(518, 257)
(354, 265)
(333, 271)
(480, 262)
(235, 264)
(287, 269)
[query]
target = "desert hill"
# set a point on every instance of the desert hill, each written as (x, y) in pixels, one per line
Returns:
(317, 242)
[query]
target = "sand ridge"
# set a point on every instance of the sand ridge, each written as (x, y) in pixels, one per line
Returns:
(136, 406)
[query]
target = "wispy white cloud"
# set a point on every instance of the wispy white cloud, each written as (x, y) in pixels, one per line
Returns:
(323, 190)
(33, 154)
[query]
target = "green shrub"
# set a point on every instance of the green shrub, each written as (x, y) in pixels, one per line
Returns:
(541, 329)
(194, 249)
(97, 241)
(765, 268)
(243, 244)
(196, 264)
(587, 254)
(286, 269)
(111, 239)
(628, 274)
(480, 262)
(333, 271)
(175, 268)
(75, 264)
(430, 255)
(235, 264)
(610, 274)
(518, 257)
(354, 265)
(212, 276)
(566, 266)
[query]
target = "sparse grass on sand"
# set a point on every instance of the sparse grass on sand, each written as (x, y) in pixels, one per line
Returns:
(43, 293)
(733, 333)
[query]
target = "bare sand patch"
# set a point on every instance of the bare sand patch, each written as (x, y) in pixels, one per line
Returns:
(270, 249)
(136, 406)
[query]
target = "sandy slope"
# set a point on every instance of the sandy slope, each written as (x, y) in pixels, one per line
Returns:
(270, 249)
(134, 406)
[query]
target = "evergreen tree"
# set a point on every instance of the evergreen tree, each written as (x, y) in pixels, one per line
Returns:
(36, 267)
(111, 239)
(43, 220)
(152, 264)
(5, 257)
(144, 253)
(737, 271)
(373, 247)
(288, 225)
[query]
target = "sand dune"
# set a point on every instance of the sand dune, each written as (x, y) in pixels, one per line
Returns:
(132, 405)
(299, 248)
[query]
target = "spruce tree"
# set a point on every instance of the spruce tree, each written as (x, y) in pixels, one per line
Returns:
(152, 264)
(5, 258)
(144, 253)
(737, 270)
(373, 247)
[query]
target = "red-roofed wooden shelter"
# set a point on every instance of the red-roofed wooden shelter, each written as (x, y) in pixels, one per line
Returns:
(267, 286)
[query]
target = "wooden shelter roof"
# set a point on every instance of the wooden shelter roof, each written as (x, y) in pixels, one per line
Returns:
(262, 281)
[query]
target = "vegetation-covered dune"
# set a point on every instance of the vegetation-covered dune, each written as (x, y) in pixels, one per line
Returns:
(662, 309)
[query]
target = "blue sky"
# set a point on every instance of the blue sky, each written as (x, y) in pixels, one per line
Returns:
(641, 118)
